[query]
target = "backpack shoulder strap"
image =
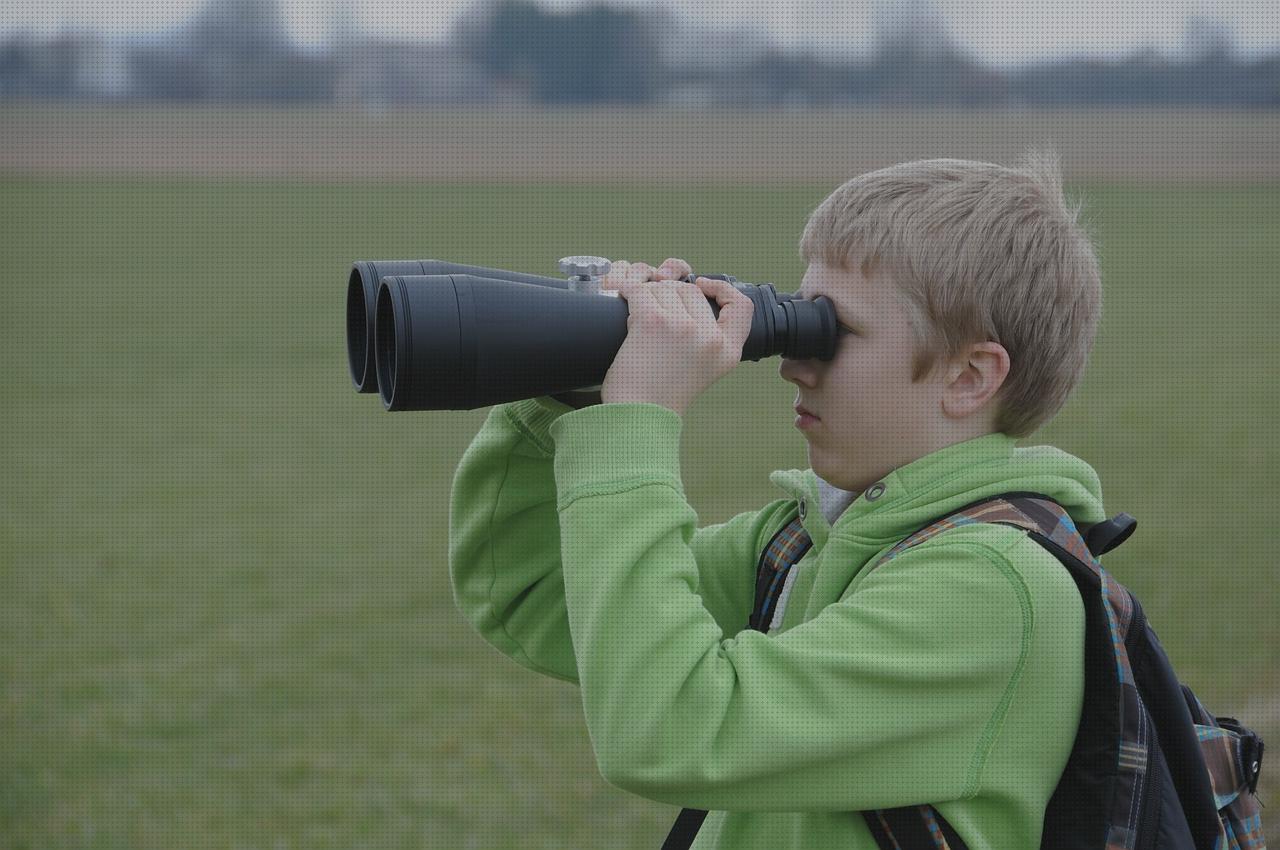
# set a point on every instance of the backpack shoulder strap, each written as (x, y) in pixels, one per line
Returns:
(787, 546)
(1029, 511)
(1048, 524)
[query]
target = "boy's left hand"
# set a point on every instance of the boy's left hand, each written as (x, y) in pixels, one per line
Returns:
(676, 347)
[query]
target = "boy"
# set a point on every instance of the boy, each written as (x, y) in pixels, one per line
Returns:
(950, 675)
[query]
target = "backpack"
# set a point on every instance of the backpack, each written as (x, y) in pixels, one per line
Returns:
(1150, 768)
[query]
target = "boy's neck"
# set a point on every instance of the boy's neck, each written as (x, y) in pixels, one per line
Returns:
(837, 494)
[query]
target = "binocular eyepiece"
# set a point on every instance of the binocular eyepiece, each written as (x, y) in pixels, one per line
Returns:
(432, 335)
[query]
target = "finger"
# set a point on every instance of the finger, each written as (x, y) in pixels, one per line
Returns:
(736, 308)
(675, 268)
(634, 288)
(640, 271)
(617, 272)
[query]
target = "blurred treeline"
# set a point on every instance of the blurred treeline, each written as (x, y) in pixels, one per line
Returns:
(518, 51)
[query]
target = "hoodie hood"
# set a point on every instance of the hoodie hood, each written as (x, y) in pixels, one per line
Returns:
(936, 484)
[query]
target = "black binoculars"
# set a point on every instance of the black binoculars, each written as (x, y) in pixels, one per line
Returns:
(432, 335)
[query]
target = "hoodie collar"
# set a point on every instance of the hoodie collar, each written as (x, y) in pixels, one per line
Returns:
(931, 486)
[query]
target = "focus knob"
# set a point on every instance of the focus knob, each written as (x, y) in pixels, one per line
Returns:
(583, 267)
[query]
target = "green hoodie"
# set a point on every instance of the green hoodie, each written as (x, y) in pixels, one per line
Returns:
(951, 675)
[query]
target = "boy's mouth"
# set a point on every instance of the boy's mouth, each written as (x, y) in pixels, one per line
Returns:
(804, 419)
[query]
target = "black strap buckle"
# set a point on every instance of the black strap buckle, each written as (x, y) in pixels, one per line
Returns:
(1254, 769)
(1251, 747)
(1104, 536)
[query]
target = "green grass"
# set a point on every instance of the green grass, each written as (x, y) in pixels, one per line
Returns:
(225, 618)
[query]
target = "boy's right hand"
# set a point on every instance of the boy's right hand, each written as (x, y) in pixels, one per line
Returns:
(620, 272)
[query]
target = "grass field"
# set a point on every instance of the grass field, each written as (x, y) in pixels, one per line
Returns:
(225, 618)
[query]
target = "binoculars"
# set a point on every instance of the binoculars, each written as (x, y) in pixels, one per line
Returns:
(433, 335)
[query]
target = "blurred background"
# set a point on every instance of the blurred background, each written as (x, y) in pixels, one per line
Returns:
(224, 596)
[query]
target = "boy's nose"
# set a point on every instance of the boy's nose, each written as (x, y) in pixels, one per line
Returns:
(798, 371)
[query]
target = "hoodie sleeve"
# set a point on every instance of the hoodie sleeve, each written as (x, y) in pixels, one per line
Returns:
(893, 695)
(504, 543)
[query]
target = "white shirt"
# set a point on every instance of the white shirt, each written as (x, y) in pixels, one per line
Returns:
(833, 500)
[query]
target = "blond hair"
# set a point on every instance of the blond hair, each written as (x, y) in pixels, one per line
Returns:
(977, 252)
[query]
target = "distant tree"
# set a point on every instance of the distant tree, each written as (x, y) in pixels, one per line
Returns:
(237, 50)
(912, 31)
(1207, 37)
(160, 74)
(917, 60)
(597, 53)
(241, 28)
(17, 64)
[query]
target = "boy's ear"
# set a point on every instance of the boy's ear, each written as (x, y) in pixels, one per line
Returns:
(973, 378)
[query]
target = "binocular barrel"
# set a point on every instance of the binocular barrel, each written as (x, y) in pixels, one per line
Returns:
(362, 296)
(440, 336)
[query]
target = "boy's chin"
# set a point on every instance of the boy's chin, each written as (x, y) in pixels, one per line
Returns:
(821, 464)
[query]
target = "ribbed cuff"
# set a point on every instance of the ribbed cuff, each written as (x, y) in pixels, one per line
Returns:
(533, 417)
(608, 448)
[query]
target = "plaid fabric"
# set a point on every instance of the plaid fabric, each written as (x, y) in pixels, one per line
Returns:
(1231, 758)
(912, 828)
(786, 548)
(1221, 750)
(935, 831)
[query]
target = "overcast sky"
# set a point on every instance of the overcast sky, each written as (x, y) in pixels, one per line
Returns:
(1000, 32)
